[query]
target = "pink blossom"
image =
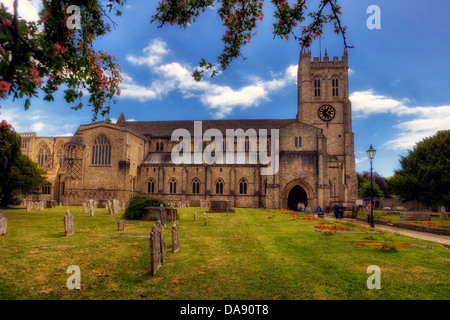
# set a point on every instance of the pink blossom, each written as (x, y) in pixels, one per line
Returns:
(5, 86)
(7, 22)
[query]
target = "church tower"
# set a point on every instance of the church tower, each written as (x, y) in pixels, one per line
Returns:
(323, 102)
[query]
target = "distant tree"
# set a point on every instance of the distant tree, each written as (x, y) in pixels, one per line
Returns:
(378, 180)
(19, 175)
(425, 172)
(364, 191)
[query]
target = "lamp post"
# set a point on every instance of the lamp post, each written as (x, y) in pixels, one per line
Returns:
(371, 154)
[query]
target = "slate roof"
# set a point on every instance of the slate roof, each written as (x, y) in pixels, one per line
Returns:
(165, 128)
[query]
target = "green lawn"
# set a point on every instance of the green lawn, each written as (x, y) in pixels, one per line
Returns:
(435, 221)
(244, 255)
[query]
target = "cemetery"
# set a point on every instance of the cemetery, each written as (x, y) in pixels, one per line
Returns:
(242, 254)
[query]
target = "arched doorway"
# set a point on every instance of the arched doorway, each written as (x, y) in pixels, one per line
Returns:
(296, 195)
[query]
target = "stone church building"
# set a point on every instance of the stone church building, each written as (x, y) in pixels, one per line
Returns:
(103, 161)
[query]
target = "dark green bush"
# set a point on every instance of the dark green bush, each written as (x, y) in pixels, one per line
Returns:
(137, 203)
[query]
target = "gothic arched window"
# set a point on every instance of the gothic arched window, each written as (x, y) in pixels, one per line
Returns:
(47, 188)
(219, 186)
(61, 156)
(151, 186)
(173, 185)
(196, 186)
(101, 151)
(44, 157)
(243, 186)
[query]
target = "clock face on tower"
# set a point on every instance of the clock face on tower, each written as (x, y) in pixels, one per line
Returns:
(326, 112)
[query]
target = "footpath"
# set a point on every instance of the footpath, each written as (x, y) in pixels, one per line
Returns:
(442, 240)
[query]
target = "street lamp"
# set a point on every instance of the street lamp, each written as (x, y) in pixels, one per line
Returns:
(371, 154)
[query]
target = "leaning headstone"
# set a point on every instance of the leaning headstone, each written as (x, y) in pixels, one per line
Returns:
(121, 225)
(3, 225)
(109, 206)
(195, 216)
(92, 209)
(162, 215)
(175, 238)
(155, 250)
(161, 241)
(85, 208)
(68, 223)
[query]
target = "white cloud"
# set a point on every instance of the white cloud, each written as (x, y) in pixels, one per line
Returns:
(35, 120)
(174, 76)
(350, 71)
(38, 126)
(422, 121)
(28, 10)
(153, 54)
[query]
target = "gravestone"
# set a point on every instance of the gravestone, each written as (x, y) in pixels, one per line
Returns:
(68, 223)
(155, 250)
(204, 217)
(29, 206)
(121, 225)
(195, 216)
(220, 205)
(110, 207)
(162, 215)
(41, 205)
(92, 209)
(115, 206)
(3, 224)
(85, 208)
(175, 238)
(161, 241)
(444, 215)
(415, 216)
(35, 205)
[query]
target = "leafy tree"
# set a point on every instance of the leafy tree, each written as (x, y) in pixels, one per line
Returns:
(364, 190)
(19, 175)
(57, 52)
(139, 202)
(379, 180)
(62, 51)
(241, 17)
(425, 172)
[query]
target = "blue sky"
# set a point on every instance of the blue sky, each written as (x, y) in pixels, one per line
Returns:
(399, 85)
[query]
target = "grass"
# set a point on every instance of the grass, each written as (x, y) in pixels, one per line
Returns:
(435, 221)
(249, 254)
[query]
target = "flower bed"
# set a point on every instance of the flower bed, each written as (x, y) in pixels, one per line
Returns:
(307, 218)
(429, 223)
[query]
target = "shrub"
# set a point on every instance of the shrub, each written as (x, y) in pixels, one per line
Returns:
(137, 203)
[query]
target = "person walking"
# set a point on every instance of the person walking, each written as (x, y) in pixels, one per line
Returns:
(336, 210)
